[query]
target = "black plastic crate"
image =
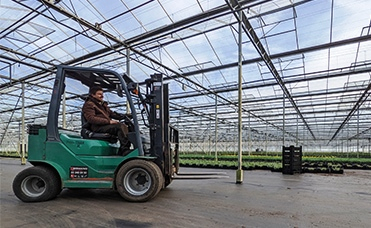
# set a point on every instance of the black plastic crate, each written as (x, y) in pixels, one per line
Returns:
(291, 159)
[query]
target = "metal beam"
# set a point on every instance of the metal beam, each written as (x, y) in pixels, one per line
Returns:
(356, 106)
(282, 55)
(352, 70)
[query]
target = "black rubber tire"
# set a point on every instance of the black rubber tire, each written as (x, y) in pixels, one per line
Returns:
(57, 182)
(161, 178)
(139, 180)
(36, 184)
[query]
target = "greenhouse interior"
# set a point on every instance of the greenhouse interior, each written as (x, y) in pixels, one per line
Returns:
(243, 76)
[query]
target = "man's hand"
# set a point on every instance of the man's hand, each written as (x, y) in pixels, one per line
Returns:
(113, 122)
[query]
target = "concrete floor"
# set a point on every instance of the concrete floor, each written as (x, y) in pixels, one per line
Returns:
(265, 199)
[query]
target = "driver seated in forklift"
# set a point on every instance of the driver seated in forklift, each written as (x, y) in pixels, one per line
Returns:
(102, 120)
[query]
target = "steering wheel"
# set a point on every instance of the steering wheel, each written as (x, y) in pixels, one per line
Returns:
(129, 122)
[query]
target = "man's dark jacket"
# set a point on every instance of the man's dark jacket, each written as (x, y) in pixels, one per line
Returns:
(98, 113)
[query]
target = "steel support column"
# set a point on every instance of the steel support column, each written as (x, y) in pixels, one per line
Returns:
(239, 172)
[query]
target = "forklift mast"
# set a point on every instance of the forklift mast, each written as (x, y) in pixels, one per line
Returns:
(162, 135)
(155, 95)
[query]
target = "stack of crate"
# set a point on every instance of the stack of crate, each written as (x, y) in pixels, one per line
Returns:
(291, 159)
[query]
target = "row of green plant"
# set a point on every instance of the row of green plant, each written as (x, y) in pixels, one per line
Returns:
(13, 154)
(275, 154)
(271, 165)
(330, 169)
(230, 164)
(276, 158)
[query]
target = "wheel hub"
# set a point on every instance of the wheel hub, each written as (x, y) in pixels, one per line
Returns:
(33, 186)
(137, 181)
(141, 179)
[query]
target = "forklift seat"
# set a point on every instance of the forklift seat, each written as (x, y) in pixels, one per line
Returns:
(87, 133)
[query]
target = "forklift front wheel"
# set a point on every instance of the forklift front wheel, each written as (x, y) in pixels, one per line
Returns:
(139, 180)
(36, 184)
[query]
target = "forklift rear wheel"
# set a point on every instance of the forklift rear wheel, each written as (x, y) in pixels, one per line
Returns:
(36, 184)
(139, 180)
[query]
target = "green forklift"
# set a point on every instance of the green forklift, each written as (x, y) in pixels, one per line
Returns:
(63, 158)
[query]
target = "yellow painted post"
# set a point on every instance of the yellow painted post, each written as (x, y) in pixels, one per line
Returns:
(239, 172)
